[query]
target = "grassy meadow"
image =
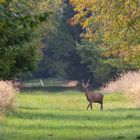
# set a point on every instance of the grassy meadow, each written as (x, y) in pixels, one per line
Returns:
(62, 115)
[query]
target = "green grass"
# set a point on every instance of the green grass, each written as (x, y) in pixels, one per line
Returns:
(62, 115)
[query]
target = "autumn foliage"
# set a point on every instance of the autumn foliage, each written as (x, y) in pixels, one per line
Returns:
(115, 25)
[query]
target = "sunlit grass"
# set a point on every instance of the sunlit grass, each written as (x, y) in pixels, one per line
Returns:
(63, 116)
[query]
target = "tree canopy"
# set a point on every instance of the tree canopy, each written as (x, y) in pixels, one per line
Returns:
(75, 38)
(21, 31)
(114, 25)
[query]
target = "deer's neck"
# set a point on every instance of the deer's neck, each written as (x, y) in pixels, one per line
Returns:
(86, 93)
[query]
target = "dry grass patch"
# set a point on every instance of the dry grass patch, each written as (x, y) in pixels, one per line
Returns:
(127, 83)
(7, 94)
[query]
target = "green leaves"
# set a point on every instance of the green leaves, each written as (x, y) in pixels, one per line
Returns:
(19, 22)
(115, 23)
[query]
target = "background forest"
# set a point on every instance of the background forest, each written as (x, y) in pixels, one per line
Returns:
(68, 39)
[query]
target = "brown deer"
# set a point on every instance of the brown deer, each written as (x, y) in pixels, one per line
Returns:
(92, 97)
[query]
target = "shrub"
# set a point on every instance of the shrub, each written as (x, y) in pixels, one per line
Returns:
(127, 83)
(7, 94)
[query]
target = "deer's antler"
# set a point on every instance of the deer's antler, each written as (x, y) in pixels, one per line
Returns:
(83, 82)
(88, 82)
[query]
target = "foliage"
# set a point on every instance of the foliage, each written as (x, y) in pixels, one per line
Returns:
(60, 56)
(115, 25)
(2, 1)
(91, 56)
(19, 42)
(68, 57)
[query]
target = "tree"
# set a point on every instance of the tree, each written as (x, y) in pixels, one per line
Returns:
(60, 57)
(91, 56)
(20, 26)
(115, 25)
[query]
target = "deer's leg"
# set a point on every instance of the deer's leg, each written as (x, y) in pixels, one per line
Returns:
(101, 106)
(88, 106)
(91, 106)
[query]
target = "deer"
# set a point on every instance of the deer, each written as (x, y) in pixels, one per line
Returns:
(92, 97)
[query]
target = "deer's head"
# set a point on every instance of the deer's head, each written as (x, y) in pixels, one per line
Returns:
(86, 85)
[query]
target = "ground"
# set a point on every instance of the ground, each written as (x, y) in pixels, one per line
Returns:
(62, 115)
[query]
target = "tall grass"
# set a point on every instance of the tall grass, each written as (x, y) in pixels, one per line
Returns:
(127, 83)
(7, 94)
